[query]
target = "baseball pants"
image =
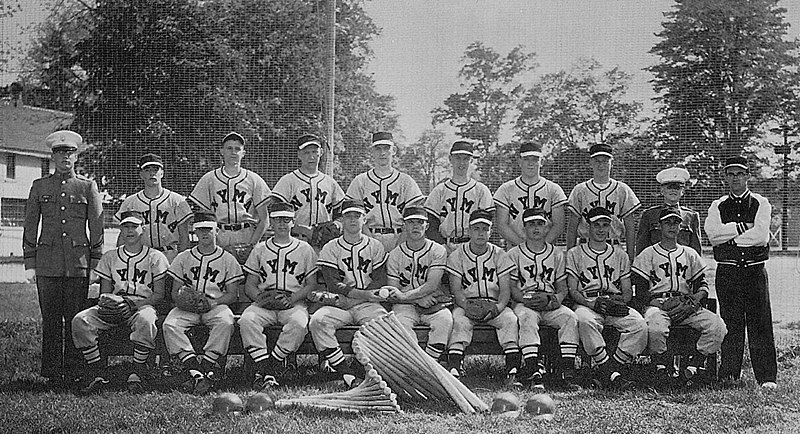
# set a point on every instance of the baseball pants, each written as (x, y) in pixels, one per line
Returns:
(219, 319)
(327, 319)
(87, 325)
(505, 324)
(743, 294)
(60, 299)
(563, 318)
(441, 322)
(251, 326)
(711, 327)
(632, 329)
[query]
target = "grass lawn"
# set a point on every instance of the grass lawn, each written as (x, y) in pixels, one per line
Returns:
(28, 407)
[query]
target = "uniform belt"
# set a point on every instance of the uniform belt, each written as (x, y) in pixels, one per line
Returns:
(165, 248)
(385, 231)
(667, 294)
(612, 242)
(457, 240)
(592, 293)
(236, 226)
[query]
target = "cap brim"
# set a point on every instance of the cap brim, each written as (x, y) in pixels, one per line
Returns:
(600, 217)
(741, 166)
(133, 220)
(602, 153)
(669, 216)
(354, 209)
(307, 144)
(462, 152)
(200, 225)
(531, 154)
(151, 163)
(535, 217)
(275, 214)
(480, 220)
(382, 142)
(66, 146)
(416, 217)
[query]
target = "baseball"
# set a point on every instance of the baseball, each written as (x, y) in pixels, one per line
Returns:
(382, 293)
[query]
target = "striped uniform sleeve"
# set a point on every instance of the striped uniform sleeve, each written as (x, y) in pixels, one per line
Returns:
(104, 267)
(411, 190)
(641, 263)
(572, 264)
(233, 271)
(514, 256)
(485, 200)
(177, 266)
(558, 196)
(378, 252)
(575, 200)
(327, 256)
(561, 267)
(159, 265)
(504, 265)
(454, 263)
(438, 256)
(624, 263)
(393, 263)
(253, 263)
(697, 267)
(182, 209)
(261, 193)
(501, 196)
(630, 203)
(283, 188)
(201, 194)
(310, 260)
(433, 203)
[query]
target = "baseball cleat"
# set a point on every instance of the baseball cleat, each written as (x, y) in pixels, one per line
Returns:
(264, 382)
(511, 380)
(96, 385)
(134, 384)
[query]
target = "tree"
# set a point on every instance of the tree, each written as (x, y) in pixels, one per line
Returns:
(726, 69)
(426, 159)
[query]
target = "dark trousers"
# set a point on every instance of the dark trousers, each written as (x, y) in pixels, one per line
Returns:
(743, 294)
(60, 299)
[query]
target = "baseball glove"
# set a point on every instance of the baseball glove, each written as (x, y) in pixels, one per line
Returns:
(540, 301)
(324, 232)
(275, 299)
(115, 309)
(192, 301)
(680, 307)
(240, 251)
(480, 310)
(613, 306)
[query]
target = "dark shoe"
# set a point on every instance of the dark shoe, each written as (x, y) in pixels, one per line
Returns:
(135, 383)
(264, 382)
(569, 381)
(533, 376)
(511, 380)
(98, 383)
(618, 381)
(202, 386)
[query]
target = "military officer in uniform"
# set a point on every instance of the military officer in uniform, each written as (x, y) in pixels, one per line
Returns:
(673, 182)
(60, 258)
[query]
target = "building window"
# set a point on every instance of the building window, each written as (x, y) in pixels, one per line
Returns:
(12, 212)
(11, 166)
(45, 167)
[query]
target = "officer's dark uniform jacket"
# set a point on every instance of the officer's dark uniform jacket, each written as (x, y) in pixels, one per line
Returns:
(65, 202)
(649, 232)
(738, 228)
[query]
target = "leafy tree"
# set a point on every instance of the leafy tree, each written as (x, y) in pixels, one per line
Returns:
(426, 159)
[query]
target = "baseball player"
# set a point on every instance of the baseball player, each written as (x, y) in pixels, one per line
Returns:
(60, 252)
(316, 196)
(673, 182)
(670, 270)
(384, 191)
(603, 191)
(415, 269)
(166, 213)
(354, 268)
(738, 227)
(281, 272)
(539, 286)
(215, 273)
(451, 202)
(529, 190)
(598, 276)
(479, 270)
(134, 272)
(238, 198)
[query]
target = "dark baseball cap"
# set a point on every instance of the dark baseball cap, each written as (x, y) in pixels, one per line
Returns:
(415, 212)
(462, 147)
(532, 214)
(600, 149)
(480, 216)
(204, 219)
(234, 136)
(308, 140)
(670, 212)
(281, 209)
(150, 159)
(382, 138)
(737, 161)
(353, 205)
(598, 213)
(528, 149)
(134, 217)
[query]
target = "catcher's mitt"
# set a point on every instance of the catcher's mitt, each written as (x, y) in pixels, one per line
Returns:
(540, 301)
(114, 309)
(274, 299)
(480, 310)
(240, 251)
(324, 232)
(192, 301)
(613, 306)
(680, 307)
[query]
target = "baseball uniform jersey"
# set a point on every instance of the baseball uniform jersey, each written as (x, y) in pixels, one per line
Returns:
(480, 274)
(282, 267)
(537, 271)
(516, 196)
(669, 270)
(384, 198)
(598, 272)
(355, 262)
(133, 274)
(161, 214)
(314, 197)
(453, 203)
(232, 199)
(206, 273)
(616, 197)
(411, 267)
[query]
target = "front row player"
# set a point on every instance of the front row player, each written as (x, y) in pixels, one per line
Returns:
(415, 269)
(214, 273)
(539, 286)
(479, 271)
(281, 272)
(669, 270)
(354, 267)
(135, 273)
(598, 275)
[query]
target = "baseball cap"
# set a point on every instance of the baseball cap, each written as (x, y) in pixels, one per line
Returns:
(64, 140)
(415, 212)
(382, 138)
(234, 136)
(532, 214)
(462, 147)
(150, 160)
(480, 216)
(308, 140)
(281, 209)
(673, 175)
(598, 213)
(600, 149)
(530, 149)
(669, 212)
(737, 161)
(204, 219)
(353, 205)
(134, 217)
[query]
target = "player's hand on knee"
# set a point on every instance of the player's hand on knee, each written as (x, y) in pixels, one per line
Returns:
(30, 275)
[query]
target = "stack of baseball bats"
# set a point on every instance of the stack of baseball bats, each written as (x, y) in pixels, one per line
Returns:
(371, 395)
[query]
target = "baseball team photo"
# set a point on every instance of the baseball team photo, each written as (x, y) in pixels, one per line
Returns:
(375, 216)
